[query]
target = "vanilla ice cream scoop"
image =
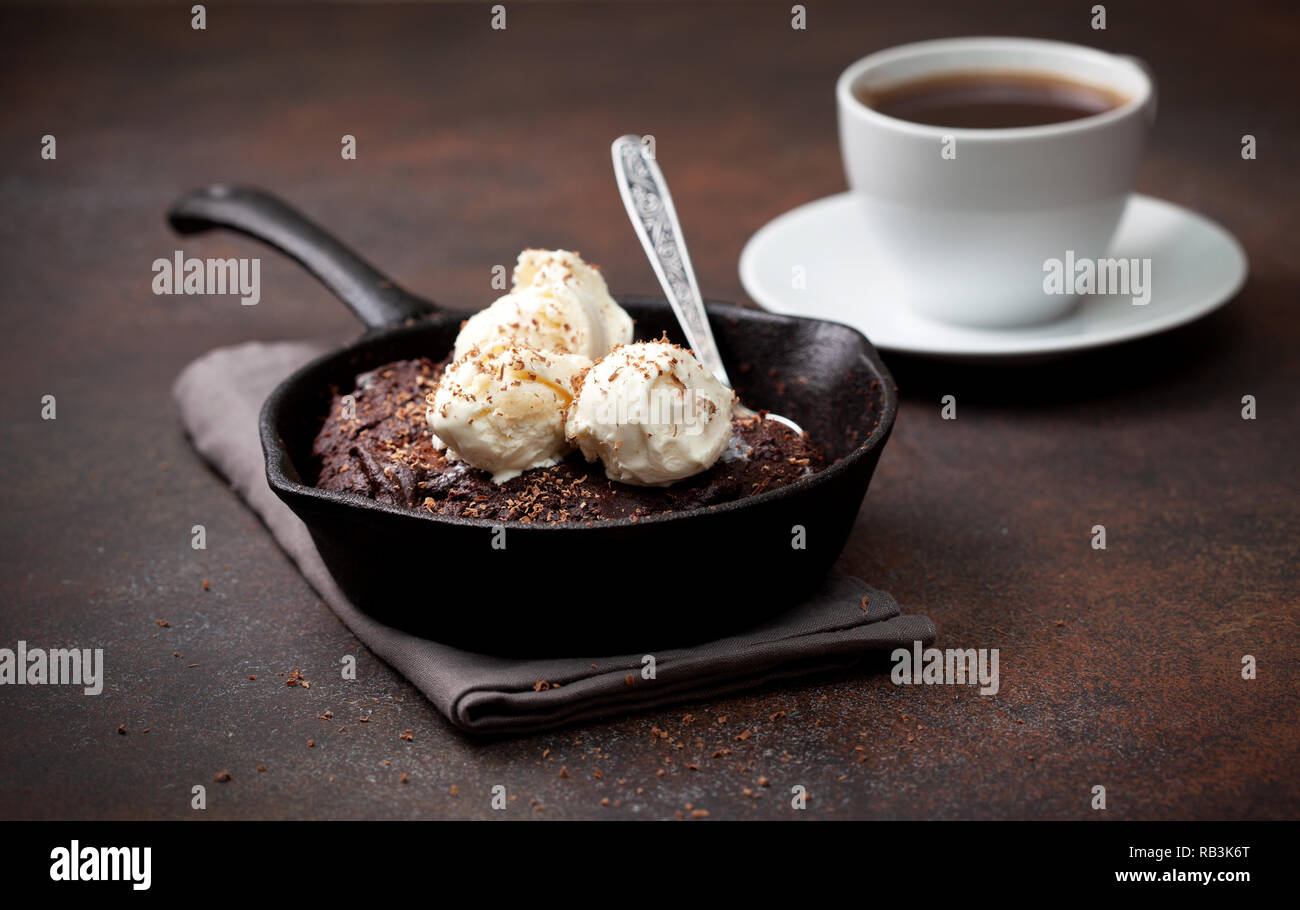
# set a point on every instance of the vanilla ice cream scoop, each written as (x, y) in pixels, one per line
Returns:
(558, 303)
(501, 409)
(651, 413)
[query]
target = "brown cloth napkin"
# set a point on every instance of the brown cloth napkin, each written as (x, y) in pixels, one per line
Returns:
(220, 396)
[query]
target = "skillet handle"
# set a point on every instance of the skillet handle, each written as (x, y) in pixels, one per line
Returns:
(376, 300)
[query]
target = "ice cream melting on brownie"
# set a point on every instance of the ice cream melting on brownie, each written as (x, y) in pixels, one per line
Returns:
(502, 409)
(652, 414)
(551, 366)
(558, 303)
(375, 443)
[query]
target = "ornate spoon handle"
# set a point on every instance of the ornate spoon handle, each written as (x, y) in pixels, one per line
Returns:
(645, 194)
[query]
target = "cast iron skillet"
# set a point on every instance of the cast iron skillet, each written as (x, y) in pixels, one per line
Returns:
(568, 589)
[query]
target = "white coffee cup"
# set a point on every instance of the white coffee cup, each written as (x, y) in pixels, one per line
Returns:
(967, 233)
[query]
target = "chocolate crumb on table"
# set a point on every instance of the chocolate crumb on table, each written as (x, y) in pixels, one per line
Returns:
(384, 451)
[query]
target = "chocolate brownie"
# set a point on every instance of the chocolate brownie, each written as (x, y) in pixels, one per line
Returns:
(383, 451)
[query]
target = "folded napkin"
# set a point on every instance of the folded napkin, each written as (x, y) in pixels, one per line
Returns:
(220, 395)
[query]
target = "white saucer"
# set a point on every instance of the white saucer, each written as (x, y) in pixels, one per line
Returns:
(1196, 267)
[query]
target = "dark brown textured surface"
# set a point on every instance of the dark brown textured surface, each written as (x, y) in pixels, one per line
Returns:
(1119, 667)
(383, 452)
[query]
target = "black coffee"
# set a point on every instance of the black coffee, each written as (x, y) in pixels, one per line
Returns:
(990, 100)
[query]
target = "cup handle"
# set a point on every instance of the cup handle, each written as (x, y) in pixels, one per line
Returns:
(1151, 77)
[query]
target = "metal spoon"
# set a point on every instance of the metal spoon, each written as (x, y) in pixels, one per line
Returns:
(649, 205)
